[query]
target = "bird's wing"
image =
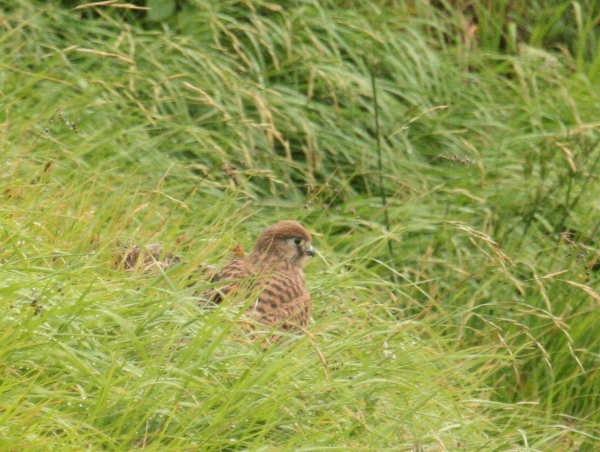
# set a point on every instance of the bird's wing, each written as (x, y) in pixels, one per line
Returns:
(281, 299)
(235, 271)
(283, 302)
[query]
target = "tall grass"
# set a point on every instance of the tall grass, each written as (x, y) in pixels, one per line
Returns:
(476, 332)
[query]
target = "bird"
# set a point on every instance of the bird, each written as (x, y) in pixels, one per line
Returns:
(271, 278)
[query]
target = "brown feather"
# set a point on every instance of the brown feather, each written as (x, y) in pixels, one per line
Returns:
(273, 273)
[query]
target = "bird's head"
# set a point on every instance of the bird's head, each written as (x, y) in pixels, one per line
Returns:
(288, 241)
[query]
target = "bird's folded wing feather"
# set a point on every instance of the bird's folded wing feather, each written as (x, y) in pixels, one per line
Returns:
(283, 301)
(235, 271)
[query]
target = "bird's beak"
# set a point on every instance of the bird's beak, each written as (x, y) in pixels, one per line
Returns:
(310, 251)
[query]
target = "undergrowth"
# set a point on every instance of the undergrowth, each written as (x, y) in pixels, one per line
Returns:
(458, 313)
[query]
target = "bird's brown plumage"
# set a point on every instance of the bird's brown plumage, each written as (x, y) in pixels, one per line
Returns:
(273, 276)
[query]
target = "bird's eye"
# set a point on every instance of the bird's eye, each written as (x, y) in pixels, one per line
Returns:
(297, 240)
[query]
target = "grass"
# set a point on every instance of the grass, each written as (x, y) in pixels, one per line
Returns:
(458, 314)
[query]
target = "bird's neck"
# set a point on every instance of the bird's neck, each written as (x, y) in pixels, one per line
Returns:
(269, 262)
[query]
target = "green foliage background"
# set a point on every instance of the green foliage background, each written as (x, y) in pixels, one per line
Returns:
(456, 289)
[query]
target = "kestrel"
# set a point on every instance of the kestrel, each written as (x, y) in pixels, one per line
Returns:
(273, 276)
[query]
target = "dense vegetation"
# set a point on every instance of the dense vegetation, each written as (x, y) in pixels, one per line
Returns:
(445, 155)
